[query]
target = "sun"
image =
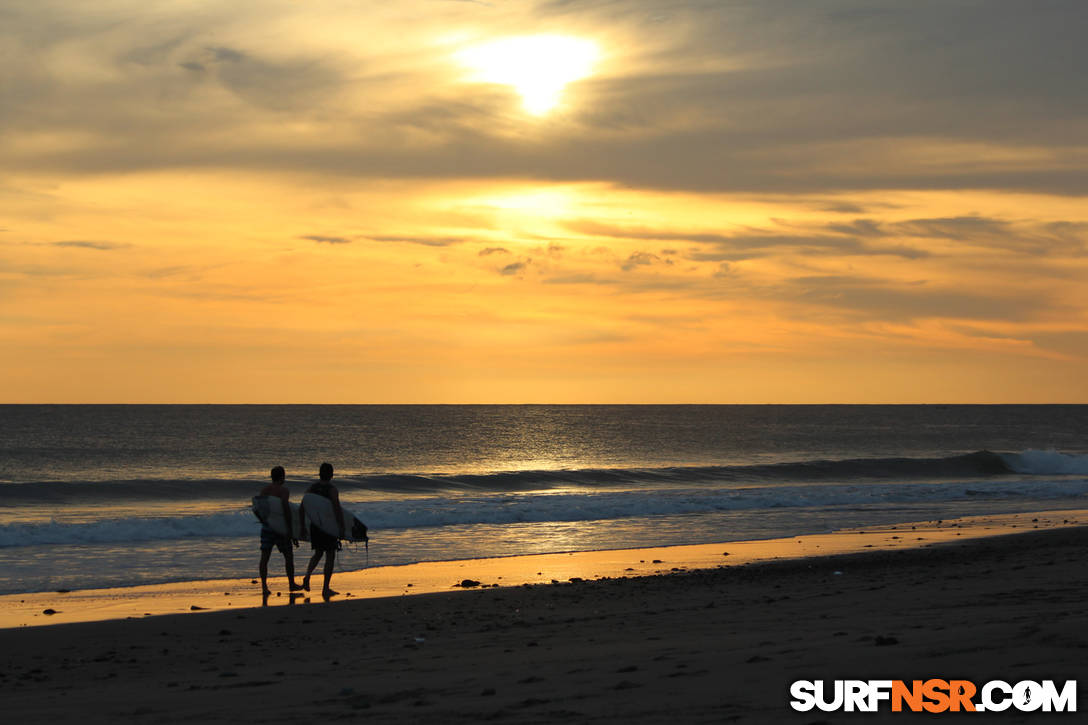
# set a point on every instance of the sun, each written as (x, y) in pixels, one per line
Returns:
(537, 66)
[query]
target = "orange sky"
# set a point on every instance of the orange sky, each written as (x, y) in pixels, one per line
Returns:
(359, 202)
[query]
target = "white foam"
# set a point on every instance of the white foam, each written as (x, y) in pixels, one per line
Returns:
(503, 509)
(1047, 463)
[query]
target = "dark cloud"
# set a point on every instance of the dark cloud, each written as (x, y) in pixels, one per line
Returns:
(1060, 238)
(226, 55)
(322, 239)
(961, 228)
(295, 84)
(514, 268)
(156, 53)
(98, 246)
(1073, 343)
(844, 299)
(750, 242)
(887, 300)
(190, 272)
(843, 208)
(860, 228)
(575, 279)
(424, 240)
(866, 237)
(639, 259)
(35, 271)
(1066, 239)
(492, 250)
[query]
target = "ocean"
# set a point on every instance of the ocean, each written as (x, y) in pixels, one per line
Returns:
(117, 495)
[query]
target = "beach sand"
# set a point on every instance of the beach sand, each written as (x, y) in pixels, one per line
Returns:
(696, 642)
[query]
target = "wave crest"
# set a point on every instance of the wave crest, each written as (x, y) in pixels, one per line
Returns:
(980, 464)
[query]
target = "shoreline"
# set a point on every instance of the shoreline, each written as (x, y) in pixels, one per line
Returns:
(707, 645)
(150, 601)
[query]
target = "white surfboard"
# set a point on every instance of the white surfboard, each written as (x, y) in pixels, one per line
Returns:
(269, 511)
(320, 512)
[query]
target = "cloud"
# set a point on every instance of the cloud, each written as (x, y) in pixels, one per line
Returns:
(492, 250)
(781, 96)
(514, 268)
(843, 298)
(278, 84)
(1073, 343)
(955, 228)
(751, 242)
(436, 241)
(98, 246)
(639, 259)
(842, 208)
(877, 299)
(907, 238)
(192, 273)
(1064, 238)
(860, 228)
(322, 239)
(226, 55)
(576, 279)
(593, 228)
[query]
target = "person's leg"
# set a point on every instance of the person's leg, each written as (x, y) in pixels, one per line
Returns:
(330, 560)
(318, 553)
(262, 568)
(289, 565)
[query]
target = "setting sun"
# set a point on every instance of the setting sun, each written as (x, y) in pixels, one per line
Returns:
(537, 66)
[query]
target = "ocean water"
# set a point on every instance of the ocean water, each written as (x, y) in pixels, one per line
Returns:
(94, 496)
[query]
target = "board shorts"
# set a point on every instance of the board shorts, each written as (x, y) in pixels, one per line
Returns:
(270, 538)
(320, 541)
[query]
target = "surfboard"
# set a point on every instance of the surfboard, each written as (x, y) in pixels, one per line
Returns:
(269, 511)
(320, 512)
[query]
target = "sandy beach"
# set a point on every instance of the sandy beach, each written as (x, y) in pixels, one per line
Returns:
(685, 644)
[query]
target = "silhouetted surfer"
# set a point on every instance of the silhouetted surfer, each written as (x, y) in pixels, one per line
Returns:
(270, 538)
(322, 543)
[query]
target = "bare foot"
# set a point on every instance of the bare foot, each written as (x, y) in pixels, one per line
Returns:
(296, 587)
(266, 591)
(329, 593)
(306, 584)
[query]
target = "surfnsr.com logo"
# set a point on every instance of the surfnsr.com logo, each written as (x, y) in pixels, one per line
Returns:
(933, 696)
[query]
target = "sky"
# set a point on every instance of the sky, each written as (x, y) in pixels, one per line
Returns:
(523, 201)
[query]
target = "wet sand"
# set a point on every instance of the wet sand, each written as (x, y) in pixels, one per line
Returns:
(58, 607)
(689, 639)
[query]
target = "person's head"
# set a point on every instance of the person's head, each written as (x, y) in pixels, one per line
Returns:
(278, 474)
(325, 472)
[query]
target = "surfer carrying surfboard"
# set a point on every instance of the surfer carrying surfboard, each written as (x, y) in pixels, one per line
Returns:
(270, 538)
(324, 543)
